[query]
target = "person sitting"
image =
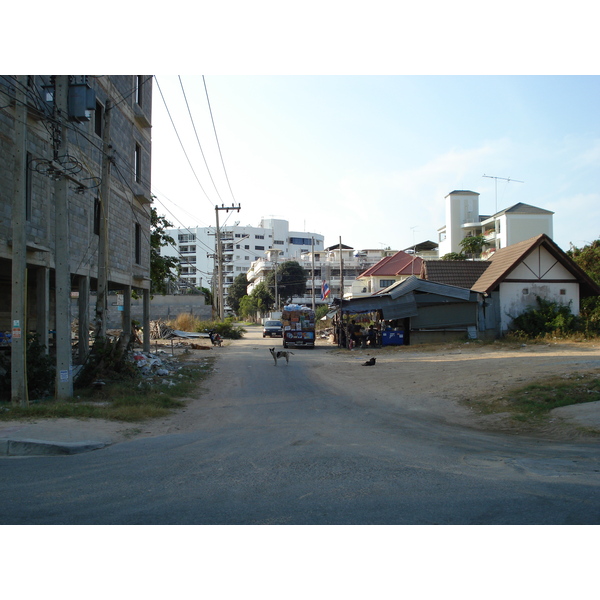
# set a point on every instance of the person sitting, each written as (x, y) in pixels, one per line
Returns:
(372, 336)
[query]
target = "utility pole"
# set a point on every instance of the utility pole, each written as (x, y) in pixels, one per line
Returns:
(19, 253)
(103, 257)
(312, 253)
(219, 254)
(64, 381)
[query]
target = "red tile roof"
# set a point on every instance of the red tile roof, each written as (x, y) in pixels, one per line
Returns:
(400, 263)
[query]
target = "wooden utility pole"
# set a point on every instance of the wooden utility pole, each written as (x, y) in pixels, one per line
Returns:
(62, 268)
(19, 253)
(103, 257)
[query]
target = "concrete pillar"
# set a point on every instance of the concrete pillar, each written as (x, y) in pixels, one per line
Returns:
(84, 319)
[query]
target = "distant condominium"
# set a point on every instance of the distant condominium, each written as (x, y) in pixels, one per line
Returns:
(241, 246)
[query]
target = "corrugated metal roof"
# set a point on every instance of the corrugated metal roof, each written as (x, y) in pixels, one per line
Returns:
(460, 273)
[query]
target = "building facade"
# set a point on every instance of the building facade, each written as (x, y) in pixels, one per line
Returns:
(338, 266)
(506, 227)
(75, 206)
(241, 247)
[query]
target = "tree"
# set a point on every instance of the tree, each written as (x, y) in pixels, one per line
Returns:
(588, 258)
(163, 269)
(237, 290)
(291, 280)
(262, 297)
(454, 256)
(473, 245)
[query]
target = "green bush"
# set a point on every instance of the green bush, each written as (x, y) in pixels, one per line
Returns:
(226, 329)
(546, 317)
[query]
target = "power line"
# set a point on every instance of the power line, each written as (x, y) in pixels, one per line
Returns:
(180, 142)
(198, 139)
(217, 138)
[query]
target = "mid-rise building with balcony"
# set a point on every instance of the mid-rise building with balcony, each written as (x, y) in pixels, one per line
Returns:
(504, 228)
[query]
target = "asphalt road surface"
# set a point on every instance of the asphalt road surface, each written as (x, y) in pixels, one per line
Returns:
(279, 445)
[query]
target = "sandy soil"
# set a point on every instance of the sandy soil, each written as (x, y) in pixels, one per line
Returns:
(455, 381)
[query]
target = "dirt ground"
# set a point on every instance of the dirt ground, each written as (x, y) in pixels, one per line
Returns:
(456, 380)
(445, 380)
(450, 380)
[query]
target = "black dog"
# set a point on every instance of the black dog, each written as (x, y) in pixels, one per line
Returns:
(369, 363)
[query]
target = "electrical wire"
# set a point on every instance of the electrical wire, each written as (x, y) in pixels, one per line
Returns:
(180, 141)
(217, 138)
(197, 138)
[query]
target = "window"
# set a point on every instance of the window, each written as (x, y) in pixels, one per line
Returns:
(383, 283)
(259, 247)
(259, 237)
(186, 237)
(525, 291)
(139, 81)
(280, 242)
(138, 163)
(97, 213)
(28, 173)
(99, 119)
(563, 292)
(138, 244)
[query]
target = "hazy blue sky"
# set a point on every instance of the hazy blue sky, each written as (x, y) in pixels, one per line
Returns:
(371, 158)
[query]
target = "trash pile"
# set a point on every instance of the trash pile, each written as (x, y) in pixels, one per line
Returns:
(159, 366)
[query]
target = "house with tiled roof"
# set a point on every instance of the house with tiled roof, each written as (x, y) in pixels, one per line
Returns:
(521, 272)
(390, 270)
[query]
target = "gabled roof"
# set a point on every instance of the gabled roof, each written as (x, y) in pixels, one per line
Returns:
(526, 209)
(503, 261)
(422, 246)
(337, 247)
(461, 273)
(400, 263)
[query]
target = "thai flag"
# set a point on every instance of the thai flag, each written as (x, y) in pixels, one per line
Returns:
(324, 290)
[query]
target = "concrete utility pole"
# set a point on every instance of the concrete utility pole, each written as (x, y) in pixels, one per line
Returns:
(219, 254)
(62, 268)
(312, 252)
(103, 257)
(19, 253)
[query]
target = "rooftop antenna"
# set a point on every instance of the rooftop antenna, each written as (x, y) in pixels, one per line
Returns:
(496, 185)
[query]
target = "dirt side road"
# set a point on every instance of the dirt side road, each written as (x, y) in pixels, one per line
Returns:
(441, 380)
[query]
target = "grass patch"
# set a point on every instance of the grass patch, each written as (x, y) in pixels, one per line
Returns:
(126, 400)
(534, 401)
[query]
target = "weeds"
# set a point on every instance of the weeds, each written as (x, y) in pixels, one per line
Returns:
(533, 402)
(119, 400)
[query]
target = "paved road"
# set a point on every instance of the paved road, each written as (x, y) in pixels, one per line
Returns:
(279, 446)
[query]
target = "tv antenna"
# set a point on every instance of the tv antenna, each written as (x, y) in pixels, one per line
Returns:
(507, 179)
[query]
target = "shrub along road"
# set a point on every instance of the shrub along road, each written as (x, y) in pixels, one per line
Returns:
(325, 440)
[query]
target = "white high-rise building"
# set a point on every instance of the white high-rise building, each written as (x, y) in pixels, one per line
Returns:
(242, 245)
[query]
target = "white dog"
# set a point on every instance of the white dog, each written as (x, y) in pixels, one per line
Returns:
(280, 354)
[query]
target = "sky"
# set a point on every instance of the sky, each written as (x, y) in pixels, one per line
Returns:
(370, 159)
